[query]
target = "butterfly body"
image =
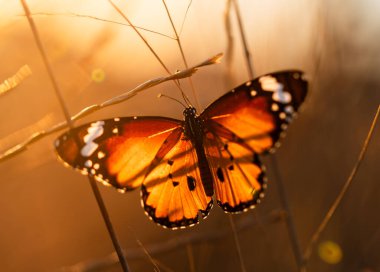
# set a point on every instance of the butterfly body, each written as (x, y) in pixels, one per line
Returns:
(194, 131)
(181, 165)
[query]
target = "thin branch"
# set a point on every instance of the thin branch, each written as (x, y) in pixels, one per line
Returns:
(182, 54)
(69, 14)
(46, 62)
(190, 257)
(237, 243)
(243, 39)
(170, 245)
(230, 39)
(59, 96)
(15, 150)
(140, 35)
(289, 217)
(185, 17)
(338, 200)
(107, 221)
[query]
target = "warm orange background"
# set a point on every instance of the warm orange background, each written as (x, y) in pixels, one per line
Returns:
(48, 215)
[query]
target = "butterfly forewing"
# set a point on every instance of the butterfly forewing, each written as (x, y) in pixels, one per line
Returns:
(243, 123)
(117, 151)
(259, 110)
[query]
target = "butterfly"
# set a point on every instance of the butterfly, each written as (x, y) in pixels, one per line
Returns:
(181, 165)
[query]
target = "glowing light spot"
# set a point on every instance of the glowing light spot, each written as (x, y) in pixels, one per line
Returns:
(98, 75)
(330, 252)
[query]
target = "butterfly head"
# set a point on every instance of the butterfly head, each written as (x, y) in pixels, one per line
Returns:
(190, 111)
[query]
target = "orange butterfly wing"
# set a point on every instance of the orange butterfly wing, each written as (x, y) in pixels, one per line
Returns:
(243, 123)
(150, 152)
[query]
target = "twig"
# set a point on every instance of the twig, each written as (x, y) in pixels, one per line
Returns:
(58, 94)
(230, 39)
(107, 221)
(289, 217)
(95, 107)
(98, 19)
(175, 243)
(182, 54)
(338, 200)
(237, 243)
(244, 41)
(190, 257)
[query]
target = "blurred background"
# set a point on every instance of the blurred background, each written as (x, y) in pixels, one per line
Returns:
(49, 220)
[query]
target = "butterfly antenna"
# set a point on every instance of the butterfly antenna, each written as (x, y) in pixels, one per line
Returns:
(172, 98)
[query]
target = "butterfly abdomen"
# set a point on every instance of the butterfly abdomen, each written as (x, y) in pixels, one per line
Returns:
(194, 132)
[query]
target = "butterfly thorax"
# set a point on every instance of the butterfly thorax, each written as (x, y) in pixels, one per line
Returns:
(194, 131)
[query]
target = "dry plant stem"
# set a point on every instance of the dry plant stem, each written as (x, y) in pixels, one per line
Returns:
(99, 19)
(190, 256)
(237, 243)
(174, 244)
(141, 36)
(70, 124)
(13, 151)
(289, 217)
(230, 39)
(107, 221)
(338, 200)
(182, 54)
(243, 39)
(46, 62)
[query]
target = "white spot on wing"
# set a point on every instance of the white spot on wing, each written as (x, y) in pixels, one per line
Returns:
(282, 97)
(248, 83)
(117, 119)
(56, 143)
(94, 131)
(253, 92)
(88, 163)
(275, 107)
(101, 155)
(289, 109)
(270, 84)
(115, 130)
(96, 166)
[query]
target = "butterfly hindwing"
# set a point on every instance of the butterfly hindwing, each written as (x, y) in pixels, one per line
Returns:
(238, 174)
(173, 194)
(258, 111)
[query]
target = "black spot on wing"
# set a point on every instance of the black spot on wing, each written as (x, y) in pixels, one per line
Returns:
(164, 221)
(243, 206)
(175, 183)
(191, 183)
(219, 174)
